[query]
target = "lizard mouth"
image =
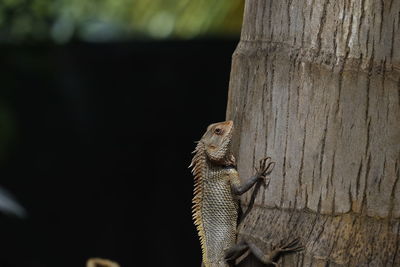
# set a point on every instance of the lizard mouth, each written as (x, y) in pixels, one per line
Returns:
(229, 124)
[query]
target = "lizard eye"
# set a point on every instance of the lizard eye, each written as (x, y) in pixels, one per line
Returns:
(218, 131)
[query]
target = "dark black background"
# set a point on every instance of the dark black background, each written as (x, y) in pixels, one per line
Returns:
(102, 142)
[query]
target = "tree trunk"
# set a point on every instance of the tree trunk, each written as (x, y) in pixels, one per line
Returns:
(316, 85)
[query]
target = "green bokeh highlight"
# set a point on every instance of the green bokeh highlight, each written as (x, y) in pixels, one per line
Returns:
(107, 20)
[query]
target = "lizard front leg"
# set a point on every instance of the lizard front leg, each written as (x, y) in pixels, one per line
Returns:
(266, 167)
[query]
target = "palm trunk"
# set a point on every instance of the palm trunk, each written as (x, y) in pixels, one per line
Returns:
(316, 85)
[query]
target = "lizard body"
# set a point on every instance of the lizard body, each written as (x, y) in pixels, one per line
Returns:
(216, 199)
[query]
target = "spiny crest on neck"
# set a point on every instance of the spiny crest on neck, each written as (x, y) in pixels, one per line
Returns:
(198, 165)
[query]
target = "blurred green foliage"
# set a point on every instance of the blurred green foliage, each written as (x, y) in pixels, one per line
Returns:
(106, 20)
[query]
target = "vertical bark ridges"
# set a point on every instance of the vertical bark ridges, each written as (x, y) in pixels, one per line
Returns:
(331, 75)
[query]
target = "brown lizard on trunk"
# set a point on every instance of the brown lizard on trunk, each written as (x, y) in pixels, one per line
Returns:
(216, 200)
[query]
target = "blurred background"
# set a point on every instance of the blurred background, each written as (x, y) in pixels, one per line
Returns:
(100, 104)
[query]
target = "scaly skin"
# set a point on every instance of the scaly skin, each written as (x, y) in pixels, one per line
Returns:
(219, 213)
(216, 201)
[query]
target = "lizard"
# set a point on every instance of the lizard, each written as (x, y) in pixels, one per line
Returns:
(216, 206)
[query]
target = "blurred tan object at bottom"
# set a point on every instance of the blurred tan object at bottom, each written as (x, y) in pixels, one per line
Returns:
(97, 262)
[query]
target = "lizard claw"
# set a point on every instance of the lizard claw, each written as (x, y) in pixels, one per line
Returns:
(291, 246)
(272, 257)
(283, 248)
(266, 167)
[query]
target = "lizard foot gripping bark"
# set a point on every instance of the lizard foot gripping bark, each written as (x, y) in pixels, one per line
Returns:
(216, 200)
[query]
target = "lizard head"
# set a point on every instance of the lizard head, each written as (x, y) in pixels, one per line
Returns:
(217, 140)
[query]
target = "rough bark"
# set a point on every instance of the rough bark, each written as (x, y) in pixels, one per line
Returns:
(316, 85)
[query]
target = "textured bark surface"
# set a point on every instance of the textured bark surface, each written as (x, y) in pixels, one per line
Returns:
(316, 85)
